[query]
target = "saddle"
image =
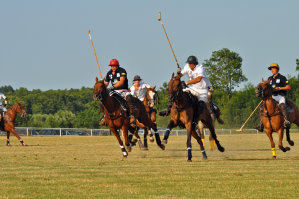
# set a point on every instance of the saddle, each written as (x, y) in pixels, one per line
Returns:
(122, 102)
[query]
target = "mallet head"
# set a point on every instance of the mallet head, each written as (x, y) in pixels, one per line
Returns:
(159, 16)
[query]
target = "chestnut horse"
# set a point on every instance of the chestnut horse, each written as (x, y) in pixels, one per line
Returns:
(187, 111)
(116, 118)
(272, 118)
(8, 122)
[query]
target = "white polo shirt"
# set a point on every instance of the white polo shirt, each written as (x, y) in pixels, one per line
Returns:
(198, 71)
(140, 93)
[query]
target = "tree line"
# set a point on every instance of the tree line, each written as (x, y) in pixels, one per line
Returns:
(75, 108)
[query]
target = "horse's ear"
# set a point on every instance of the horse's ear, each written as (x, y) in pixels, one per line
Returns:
(154, 87)
(172, 76)
(263, 79)
(97, 80)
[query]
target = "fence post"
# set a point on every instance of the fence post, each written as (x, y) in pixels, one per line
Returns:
(27, 132)
(60, 132)
(91, 132)
(177, 132)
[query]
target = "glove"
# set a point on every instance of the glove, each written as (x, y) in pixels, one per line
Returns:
(111, 88)
(179, 70)
(184, 85)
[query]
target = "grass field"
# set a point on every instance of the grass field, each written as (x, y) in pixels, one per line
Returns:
(92, 167)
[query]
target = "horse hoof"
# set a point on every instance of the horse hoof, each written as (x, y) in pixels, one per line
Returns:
(151, 139)
(164, 141)
(24, 144)
(8, 145)
(129, 148)
(291, 143)
(162, 146)
(189, 160)
(204, 157)
(221, 149)
(287, 148)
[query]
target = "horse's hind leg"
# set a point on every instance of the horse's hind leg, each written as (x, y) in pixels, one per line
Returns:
(8, 141)
(291, 142)
(208, 122)
(139, 141)
(280, 134)
(199, 141)
(145, 138)
(189, 146)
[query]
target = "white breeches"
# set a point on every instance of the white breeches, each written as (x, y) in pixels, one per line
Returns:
(123, 93)
(201, 94)
(279, 98)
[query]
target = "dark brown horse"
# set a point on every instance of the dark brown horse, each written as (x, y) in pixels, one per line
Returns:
(187, 111)
(8, 122)
(116, 118)
(272, 118)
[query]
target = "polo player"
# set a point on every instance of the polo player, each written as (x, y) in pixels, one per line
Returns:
(2, 106)
(138, 89)
(199, 84)
(119, 83)
(280, 87)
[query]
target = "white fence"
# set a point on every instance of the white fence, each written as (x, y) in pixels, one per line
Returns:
(35, 131)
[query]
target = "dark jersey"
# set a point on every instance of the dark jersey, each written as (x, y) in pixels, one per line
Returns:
(120, 72)
(278, 81)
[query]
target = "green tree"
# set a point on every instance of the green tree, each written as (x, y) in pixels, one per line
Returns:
(224, 69)
(297, 63)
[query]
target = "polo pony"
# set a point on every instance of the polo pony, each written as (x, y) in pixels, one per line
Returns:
(8, 121)
(118, 119)
(186, 112)
(272, 118)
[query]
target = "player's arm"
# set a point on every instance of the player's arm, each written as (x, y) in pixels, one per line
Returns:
(194, 81)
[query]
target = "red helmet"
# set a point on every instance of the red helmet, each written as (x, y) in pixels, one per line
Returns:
(114, 62)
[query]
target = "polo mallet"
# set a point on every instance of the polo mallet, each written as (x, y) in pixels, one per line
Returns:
(241, 129)
(159, 19)
(94, 50)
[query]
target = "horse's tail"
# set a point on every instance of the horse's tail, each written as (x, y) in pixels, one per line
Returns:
(296, 111)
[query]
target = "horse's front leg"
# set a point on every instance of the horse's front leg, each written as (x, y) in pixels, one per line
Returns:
(8, 141)
(17, 136)
(280, 135)
(199, 141)
(124, 129)
(269, 134)
(145, 137)
(121, 144)
(167, 132)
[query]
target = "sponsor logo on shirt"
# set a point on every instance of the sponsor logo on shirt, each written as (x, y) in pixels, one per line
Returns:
(278, 81)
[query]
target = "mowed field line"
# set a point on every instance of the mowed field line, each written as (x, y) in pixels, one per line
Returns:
(93, 167)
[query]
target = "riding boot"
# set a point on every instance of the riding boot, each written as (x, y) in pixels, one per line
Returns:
(260, 126)
(285, 114)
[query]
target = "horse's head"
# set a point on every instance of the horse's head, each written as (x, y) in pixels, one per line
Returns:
(175, 87)
(263, 89)
(99, 89)
(17, 107)
(150, 95)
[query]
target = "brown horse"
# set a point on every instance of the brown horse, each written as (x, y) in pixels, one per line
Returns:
(272, 118)
(8, 122)
(187, 111)
(116, 118)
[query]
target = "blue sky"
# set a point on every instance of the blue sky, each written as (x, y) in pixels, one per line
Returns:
(45, 44)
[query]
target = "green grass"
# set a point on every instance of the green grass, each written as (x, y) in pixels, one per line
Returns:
(93, 167)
